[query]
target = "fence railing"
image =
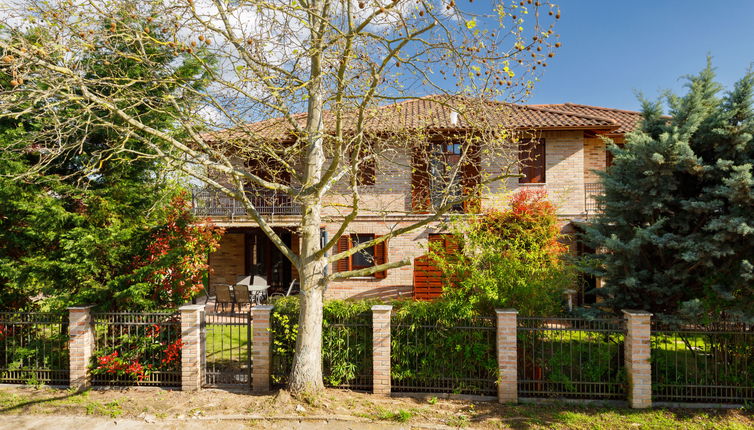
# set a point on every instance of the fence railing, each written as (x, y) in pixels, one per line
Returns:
(346, 351)
(591, 192)
(33, 348)
(703, 363)
(137, 349)
(227, 344)
(458, 358)
(209, 202)
(571, 358)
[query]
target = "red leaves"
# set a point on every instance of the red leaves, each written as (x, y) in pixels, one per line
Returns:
(173, 351)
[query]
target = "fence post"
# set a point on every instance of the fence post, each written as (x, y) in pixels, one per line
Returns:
(637, 354)
(507, 356)
(80, 346)
(381, 349)
(261, 348)
(192, 353)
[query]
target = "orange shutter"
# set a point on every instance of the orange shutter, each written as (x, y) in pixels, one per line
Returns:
(532, 157)
(344, 244)
(380, 257)
(420, 180)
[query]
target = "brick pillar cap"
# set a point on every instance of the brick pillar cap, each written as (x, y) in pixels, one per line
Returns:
(382, 307)
(506, 311)
(636, 312)
(263, 308)
(187, 308)
(80, 308)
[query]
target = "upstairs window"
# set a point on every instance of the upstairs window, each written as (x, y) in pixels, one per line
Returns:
(531, 157)
(444, 172)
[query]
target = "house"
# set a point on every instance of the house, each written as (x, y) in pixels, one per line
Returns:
(565, 140)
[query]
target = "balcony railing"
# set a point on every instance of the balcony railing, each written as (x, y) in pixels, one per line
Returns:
(591, 191)
(209, 202)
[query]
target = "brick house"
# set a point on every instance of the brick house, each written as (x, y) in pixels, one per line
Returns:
(565, 140)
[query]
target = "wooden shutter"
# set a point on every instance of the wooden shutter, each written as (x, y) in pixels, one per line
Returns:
(472, 178)
(296, 248)
(420, 180)
(532, 157)
(344, 244)
(367, 174)
(380, 257)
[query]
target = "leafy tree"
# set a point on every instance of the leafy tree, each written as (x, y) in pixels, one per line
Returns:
(90, 223)
(509, 258)
(676, 235)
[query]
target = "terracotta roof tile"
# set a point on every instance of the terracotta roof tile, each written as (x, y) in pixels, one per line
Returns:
(628, 120)
(434, 113)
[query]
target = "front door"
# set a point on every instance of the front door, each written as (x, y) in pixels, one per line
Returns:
(265, 259)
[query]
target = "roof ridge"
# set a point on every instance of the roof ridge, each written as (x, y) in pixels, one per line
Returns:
(600, 108)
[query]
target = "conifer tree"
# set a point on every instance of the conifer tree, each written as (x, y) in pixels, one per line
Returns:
(676, 235)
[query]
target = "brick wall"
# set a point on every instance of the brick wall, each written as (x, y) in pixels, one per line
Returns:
(595, 157)
(227, 262)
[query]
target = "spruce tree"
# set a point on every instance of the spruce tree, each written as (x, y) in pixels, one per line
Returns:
(676, 235)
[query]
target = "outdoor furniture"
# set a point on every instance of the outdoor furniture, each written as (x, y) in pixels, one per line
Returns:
(242, 295)
(258, 293)
(223, 297)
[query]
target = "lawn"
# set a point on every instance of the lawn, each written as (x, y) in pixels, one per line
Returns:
(428, 412)
(227, 342)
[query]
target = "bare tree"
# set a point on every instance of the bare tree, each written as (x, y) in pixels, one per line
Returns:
(290, 97)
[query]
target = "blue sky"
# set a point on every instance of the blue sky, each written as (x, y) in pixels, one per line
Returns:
(612, 47)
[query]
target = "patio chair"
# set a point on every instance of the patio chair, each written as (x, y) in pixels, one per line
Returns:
(259, 293)
(242, 295)
(223, 297)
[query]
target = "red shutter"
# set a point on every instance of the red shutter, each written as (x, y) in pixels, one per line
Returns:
(533, 166)
(367, 174)
(380, 257)
(344, 244)
(472, 178)
(420, 180)
(296, 248)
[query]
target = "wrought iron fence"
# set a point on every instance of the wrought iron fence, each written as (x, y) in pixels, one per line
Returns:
(346, 350)
(591, 192)
(137, 349)
(434, 357)
(209, 202)
(571, 358)
(703, 363)
(227, 343)
(33, 348)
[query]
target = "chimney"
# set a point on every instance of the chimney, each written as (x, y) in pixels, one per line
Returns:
(453, 118)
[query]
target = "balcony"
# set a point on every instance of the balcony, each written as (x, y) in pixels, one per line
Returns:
(591, 191)
(212, 203)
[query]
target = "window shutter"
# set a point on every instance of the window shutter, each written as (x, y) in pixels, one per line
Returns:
(472, 178)
(344, 244)
(380, 257)
(533, 166)
(367, 174)
(420, 180)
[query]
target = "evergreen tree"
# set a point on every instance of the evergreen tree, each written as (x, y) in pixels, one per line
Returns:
(676, 235)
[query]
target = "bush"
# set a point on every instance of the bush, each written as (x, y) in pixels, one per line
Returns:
(508, 259)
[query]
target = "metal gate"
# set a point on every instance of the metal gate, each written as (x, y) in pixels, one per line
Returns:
(227, 350)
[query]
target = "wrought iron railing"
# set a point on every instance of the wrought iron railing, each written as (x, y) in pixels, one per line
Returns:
(227, 340)
(210, 202)
(434, 357)
(703, 363)
(571, 358)
(137, 348)
(591, 191)
(33, 348)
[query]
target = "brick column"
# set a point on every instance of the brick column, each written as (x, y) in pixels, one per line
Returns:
(80, 346)
(637, 352)
(261, 348)
(192, 371)
(381, 349)
(507, 356)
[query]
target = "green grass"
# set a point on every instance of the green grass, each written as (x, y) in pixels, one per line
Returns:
(227, 343)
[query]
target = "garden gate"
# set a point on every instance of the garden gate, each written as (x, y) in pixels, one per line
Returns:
(227, 350)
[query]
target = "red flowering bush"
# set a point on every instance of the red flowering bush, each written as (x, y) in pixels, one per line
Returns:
(172, 268)
(509, 258)
(141, 352)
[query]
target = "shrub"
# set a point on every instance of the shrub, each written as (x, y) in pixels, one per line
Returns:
(510, 258)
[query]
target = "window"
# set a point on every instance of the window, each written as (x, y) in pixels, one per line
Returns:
(367, 174)
(531, 156)
(444, 179)
(365, 258)
(437, 178)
